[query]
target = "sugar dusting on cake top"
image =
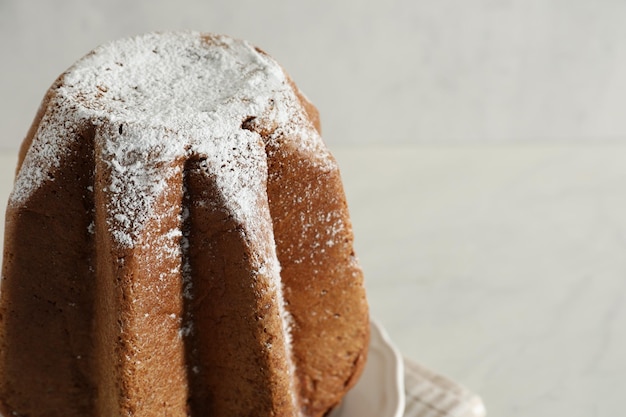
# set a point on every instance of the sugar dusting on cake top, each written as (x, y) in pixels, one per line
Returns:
(159, 98)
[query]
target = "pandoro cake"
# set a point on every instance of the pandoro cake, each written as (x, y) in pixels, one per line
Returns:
(177, 242)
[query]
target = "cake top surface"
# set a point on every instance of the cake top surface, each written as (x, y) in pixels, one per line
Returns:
(179, 80)
(159, 98)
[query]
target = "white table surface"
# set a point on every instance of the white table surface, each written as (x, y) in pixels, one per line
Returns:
(503, 267)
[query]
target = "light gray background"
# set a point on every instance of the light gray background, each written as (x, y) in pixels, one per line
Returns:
(381, 72)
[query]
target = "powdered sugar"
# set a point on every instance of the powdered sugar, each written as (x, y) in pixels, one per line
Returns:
(159, 98)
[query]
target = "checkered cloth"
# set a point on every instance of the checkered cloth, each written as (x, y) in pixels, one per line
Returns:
(431, 395)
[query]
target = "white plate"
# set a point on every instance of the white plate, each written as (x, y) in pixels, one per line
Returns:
(380, 390)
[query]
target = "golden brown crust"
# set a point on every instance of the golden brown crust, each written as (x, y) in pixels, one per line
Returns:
(47, 295)
(141, 364)
(237, 345)
(323, 283)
